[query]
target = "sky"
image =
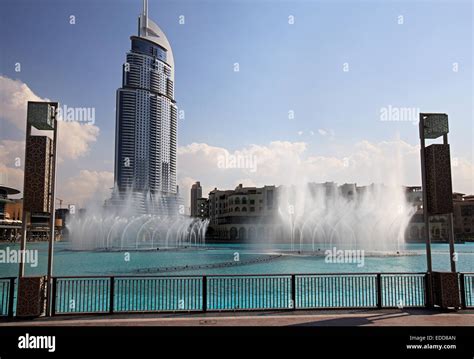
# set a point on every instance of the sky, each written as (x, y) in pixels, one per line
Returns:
(317, 95)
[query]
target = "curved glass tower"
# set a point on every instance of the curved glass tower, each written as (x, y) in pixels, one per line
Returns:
(146, 121)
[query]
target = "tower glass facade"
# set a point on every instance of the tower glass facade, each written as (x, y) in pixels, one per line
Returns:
(146, 122)
(196, 194)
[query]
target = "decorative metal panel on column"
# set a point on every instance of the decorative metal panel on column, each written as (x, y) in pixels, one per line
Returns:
(439, 189)
(437, 199)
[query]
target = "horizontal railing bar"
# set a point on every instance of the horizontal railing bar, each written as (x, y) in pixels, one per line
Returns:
(246, 275)
(236, 275)
(128, 276)
(362, 273)
(242, 275)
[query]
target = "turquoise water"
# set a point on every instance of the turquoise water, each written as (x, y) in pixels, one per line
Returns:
(221, 259)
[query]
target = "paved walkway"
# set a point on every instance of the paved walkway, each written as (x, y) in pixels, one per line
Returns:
(307, 318)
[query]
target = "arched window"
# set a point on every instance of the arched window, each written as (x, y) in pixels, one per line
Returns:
(244, 200)
(252, 233)
(244, 209)
(237, 209)
(237, 200)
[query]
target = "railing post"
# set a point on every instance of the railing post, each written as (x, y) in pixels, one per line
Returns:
(111, 295)
(428, 290)
(463, 290)
(11, 297)
(293, 291)
(204, 293)
(379, 290)
(53, 297)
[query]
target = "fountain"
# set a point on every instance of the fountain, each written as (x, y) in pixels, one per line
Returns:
(309, 217)
(108, 231)
(373, 218)
(123, 228)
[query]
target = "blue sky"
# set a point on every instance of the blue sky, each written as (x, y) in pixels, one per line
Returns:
(283, 68)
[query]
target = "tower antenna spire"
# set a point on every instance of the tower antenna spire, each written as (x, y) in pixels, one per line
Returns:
(143, 20)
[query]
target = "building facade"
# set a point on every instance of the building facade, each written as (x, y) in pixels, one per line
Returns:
(463, 219)
(202, 208)
(146, 122)
(463, 216)
(249, 213)
(252, 213)
(10, 214)
(245, 213)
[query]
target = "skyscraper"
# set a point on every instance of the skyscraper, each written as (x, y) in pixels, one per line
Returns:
(196, 193)
(146, 121)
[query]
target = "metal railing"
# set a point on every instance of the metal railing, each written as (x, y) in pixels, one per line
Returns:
(467, 289)
(7, 296)
(249, 292)
(125, 294)
(403, 290)
(81, 295)
(157, 294)
(336, 291)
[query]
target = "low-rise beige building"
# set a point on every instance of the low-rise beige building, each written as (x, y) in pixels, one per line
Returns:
(241, 214)
(463, 218)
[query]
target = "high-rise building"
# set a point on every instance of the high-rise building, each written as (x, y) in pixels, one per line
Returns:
(146, 121)
(196, 193)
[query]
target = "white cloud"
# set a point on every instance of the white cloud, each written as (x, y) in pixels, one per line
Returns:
(14, 96)
(11, 177)
(10, 151)
(11, 163)
(390, 162)
(463, 176)
(87, 188)
(326, 133)
(74, 139)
